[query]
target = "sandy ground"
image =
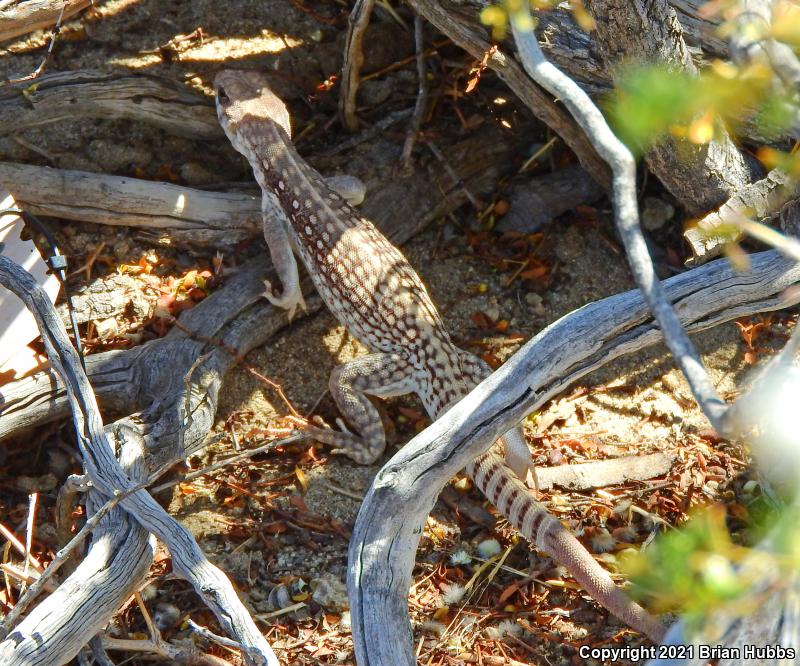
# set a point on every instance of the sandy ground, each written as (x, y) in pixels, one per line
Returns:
(254, 539)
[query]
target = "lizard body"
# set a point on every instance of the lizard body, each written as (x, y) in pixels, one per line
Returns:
(375, 293)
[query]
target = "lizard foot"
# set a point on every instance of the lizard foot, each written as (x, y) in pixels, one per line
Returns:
(344, 441)
(288, 300)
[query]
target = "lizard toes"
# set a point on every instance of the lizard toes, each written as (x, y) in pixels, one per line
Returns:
(358, 455)
(288, 300)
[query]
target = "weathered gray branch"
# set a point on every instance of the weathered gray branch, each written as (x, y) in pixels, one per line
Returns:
(116, 564)
(60, 96)
(24, 17)
(186, 215)
(387, 530)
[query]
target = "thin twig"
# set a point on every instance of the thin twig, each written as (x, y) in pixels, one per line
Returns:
(20, 547)
(353, 57)
(29, 532)
(244, 455)
(19, 574)
(422, 92)
(211, 636)
(48, 54)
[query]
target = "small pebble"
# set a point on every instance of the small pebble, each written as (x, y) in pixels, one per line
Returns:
(656, 213)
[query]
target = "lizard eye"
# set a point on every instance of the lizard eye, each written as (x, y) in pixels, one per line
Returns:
(222, 96)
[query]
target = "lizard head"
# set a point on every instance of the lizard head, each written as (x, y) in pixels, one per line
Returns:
(244, 99)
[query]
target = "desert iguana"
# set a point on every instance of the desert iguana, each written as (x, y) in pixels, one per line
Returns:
(375, 293)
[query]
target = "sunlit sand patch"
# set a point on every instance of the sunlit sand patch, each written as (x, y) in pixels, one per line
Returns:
(137, 61)
(214, 49)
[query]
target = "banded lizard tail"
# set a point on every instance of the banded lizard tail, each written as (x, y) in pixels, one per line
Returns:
(375, 293)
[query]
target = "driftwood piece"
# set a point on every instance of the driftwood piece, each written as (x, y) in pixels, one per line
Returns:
(60, 96)
(760, 199)
(186, 215)
(109, 479)
(599, 473)
(26, 16)
(387, 531)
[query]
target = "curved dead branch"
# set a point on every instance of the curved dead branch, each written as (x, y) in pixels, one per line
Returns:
(387, 531)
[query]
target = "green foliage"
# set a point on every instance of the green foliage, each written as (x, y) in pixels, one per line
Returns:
(690, 568)
(697, 568)
(648, 100)
(651, 101)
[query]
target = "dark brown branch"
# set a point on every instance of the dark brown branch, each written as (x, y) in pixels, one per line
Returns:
(701, 177)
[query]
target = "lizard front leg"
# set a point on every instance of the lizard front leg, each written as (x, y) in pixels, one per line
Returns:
(382, 375)
(276, 232)
(350, 188)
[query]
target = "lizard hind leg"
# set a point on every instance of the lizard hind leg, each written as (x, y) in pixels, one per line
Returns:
(381, 375)
(518, 455)
(515, 448)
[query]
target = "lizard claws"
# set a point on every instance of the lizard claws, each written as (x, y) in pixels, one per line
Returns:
(288, 300)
